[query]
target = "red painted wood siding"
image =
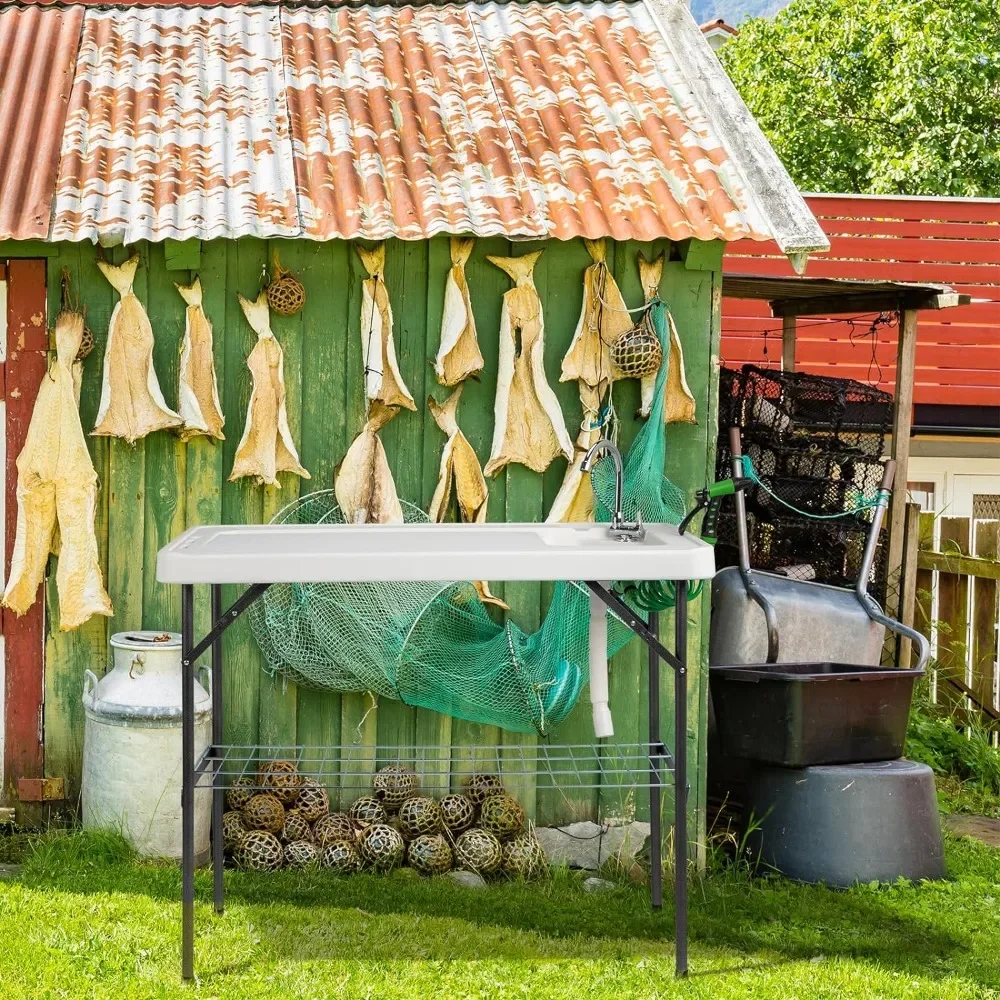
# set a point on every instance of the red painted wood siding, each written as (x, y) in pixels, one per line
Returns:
(954, 241)
(27, 344)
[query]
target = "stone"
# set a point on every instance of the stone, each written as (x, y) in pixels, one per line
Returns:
(468, 880)
(980, 827)
(591, 845)
(598, 885)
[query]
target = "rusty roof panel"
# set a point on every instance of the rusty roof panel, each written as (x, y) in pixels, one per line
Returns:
(37, 53)
(522, 119)
(177, 128)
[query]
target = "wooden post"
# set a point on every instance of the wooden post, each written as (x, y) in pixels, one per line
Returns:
(908, 579)
(27, 351)
(788, 324)
(906, 353)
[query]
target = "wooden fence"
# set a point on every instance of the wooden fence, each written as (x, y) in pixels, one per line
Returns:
(951, 592)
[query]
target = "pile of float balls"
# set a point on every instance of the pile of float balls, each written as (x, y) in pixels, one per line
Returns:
(281, 818)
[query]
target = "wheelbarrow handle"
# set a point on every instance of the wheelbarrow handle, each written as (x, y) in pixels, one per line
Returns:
(889, 474)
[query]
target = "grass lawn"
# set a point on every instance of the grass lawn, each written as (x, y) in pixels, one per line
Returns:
(84, 920)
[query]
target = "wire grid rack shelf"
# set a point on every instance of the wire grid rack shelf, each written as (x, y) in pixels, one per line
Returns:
(624, 766)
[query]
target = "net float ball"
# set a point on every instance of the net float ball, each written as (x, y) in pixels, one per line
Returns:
(301, 854)
(523, 857)
(264, 812)
(367, 810)
(381, 847)
(502, 815)
(286, 295)
(458, 812)
(429, 854)
(340, 855)
(637, 352)
(394, 784)
(419, 816)
(296, 827)
(478, 850)
(313, 801)
(240, 792)
(282, 779)
(479, 786)
(260, 851)
(233, 829)
(333, 826)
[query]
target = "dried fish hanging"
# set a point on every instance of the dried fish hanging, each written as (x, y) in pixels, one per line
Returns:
(132, 404)
(266, 447)
(603, 319)
(575, 499)
(198, 389)
(364, 487)
(529, 426)
(680, 404)
(57, 486)
(458, 356)
(378, 349)
(459, 466)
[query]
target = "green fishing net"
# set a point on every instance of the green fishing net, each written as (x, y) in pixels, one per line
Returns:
(435, 645)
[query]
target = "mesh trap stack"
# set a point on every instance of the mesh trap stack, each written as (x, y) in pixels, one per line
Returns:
(816, 442)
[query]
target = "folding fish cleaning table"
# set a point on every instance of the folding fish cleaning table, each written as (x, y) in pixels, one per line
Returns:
(260, 555)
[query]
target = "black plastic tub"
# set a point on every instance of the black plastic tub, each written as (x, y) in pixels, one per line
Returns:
(805, 714)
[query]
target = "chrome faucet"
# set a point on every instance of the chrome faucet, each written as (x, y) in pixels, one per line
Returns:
(618, 528)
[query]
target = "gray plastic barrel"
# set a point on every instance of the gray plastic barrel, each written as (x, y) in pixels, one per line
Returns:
(847, 823)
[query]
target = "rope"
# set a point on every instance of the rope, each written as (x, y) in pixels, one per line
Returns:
(750, 473)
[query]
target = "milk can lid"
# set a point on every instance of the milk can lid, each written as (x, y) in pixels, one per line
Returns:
(146, 639)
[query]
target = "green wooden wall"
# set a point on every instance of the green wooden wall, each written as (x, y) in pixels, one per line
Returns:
(154, 490)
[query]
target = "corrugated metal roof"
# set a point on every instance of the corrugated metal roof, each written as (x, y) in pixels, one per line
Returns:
(177, 128)
(528, 119)
(37, 54)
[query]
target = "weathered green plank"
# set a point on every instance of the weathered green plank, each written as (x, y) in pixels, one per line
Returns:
(182, 255)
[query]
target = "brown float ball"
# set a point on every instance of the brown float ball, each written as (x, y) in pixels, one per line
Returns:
(523, 857)
(233, 829)
(429, 855)
(333, 826)
(264, 812)
(240, 792)
(479, 786)
(301, 854)
(394, 784)
(367, 810)
(502, 815)
(286, 294)
(381, 847)
(340, 855)
(477, 850)
(637, 352)
(296, 827)
(419, 816)
(260, 851)
(313, 801)
(282, 779)
(458, 812)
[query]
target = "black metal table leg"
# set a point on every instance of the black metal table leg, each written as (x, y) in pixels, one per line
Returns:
(655, 832)
(218, 792)
(680, 778)
(187, 780)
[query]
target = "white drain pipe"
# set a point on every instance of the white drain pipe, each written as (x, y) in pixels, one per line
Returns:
(603, 726)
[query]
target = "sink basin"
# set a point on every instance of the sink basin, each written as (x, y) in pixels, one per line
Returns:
(292, 553)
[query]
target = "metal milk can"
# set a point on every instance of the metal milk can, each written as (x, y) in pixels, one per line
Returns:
(132, 746)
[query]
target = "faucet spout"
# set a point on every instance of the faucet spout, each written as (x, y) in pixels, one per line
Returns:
(619, 528)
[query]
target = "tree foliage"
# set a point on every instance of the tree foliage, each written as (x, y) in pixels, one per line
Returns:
(878, 96)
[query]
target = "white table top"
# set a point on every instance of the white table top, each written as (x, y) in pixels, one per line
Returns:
(292, 553)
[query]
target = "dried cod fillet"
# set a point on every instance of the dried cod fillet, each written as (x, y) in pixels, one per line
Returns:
(459, 463)
(382, 379)
(198, 389)
(266, 447)
(459, 355)
(575, 499)
(603, 319)
(679, 407)
(132, 404)
(57, 491)
(529, 426)
(364, 487)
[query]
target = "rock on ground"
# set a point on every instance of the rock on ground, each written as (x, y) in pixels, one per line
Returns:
(598, 885)
(470, 880)
(980, 827)
(591, 845)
